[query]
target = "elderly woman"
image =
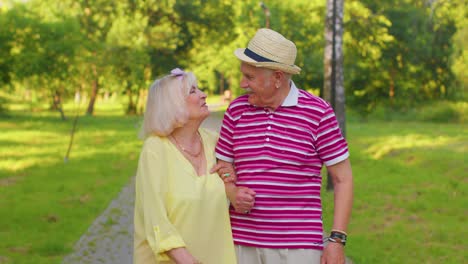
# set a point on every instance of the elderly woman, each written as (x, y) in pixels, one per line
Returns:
(181, 210)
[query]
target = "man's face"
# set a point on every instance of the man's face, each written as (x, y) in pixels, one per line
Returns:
(259, 85)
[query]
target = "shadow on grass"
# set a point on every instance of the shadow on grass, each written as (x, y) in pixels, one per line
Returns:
(53, 204)
(406, 192)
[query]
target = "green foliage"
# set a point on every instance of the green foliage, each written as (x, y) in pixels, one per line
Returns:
(3, 107)
(366, 36)
(35, 47)
(440, 112)
(457, 11)
(5, 46)
(411, 64)
(446, 112)
(397, 54)
(211, 53)
(309, 39)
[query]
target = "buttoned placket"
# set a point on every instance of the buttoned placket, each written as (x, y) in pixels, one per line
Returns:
(270, 115)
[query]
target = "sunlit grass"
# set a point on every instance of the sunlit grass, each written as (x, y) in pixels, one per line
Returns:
(410, 184)
(410, 192)
(47, 203)
(392, 144)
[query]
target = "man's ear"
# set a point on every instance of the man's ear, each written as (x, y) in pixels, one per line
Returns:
(279, 75)
(280, 78)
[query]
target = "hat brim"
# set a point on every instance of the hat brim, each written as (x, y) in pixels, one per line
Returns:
(292, 69)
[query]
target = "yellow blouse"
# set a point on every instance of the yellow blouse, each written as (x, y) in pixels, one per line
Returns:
(176, 208)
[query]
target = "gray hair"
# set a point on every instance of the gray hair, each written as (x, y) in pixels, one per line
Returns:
(166, 107)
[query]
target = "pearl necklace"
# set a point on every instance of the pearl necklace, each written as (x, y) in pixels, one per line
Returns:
(185, 150)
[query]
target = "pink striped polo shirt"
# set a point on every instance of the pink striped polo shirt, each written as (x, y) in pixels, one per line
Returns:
(279, 155)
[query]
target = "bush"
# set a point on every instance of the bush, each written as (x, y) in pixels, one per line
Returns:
(3, 107)
(441, 112)
(445, 112)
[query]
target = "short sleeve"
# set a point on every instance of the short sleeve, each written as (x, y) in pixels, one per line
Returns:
(331, 145)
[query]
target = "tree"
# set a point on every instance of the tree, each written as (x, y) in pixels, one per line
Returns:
(399, 53)
(95, 19)
(41, 49)
(209, 27)
(367, 75)
(305, 28)
(333, 90)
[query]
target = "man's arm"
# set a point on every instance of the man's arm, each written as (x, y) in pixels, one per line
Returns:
(342, 177)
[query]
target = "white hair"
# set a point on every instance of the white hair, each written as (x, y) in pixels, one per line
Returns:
(166, 107)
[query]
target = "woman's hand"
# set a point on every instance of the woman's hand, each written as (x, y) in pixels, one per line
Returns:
(182, 256)
(241, 198)
(225, 171)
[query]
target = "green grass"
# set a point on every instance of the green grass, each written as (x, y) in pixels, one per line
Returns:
(410, 185)
(411, 202)
(46, 204)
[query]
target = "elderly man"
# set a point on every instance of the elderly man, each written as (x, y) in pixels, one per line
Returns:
(278, 137)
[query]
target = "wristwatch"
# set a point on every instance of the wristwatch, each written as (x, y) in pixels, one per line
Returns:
(337, 237)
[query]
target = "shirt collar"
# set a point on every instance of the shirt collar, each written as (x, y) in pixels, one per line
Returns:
(293, 96)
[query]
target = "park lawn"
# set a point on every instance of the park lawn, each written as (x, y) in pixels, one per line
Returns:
(410, 185)
(410, 193)
(47, 204)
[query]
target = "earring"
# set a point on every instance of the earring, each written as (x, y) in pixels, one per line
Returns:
(277, 86)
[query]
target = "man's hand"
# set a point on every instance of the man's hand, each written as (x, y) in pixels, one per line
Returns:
(333, 253)
(242, 198)
(225, 171)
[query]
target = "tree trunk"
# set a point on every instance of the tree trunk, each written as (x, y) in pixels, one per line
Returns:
(141, 101)
(266, 10)
(221, 83)
(57, 104)
(333, 87)
(131, 107)
(391, 92)
(94, 92)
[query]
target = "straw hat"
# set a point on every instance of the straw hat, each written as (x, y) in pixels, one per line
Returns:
(269, 49)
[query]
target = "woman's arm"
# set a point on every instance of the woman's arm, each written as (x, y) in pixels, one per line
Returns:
(242, 198)
(182, 256)
(225, 171)
(152, 181)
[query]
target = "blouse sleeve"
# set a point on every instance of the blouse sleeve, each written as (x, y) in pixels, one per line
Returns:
(151, 188)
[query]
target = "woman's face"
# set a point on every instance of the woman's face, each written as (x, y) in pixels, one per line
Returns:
(196, 104)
